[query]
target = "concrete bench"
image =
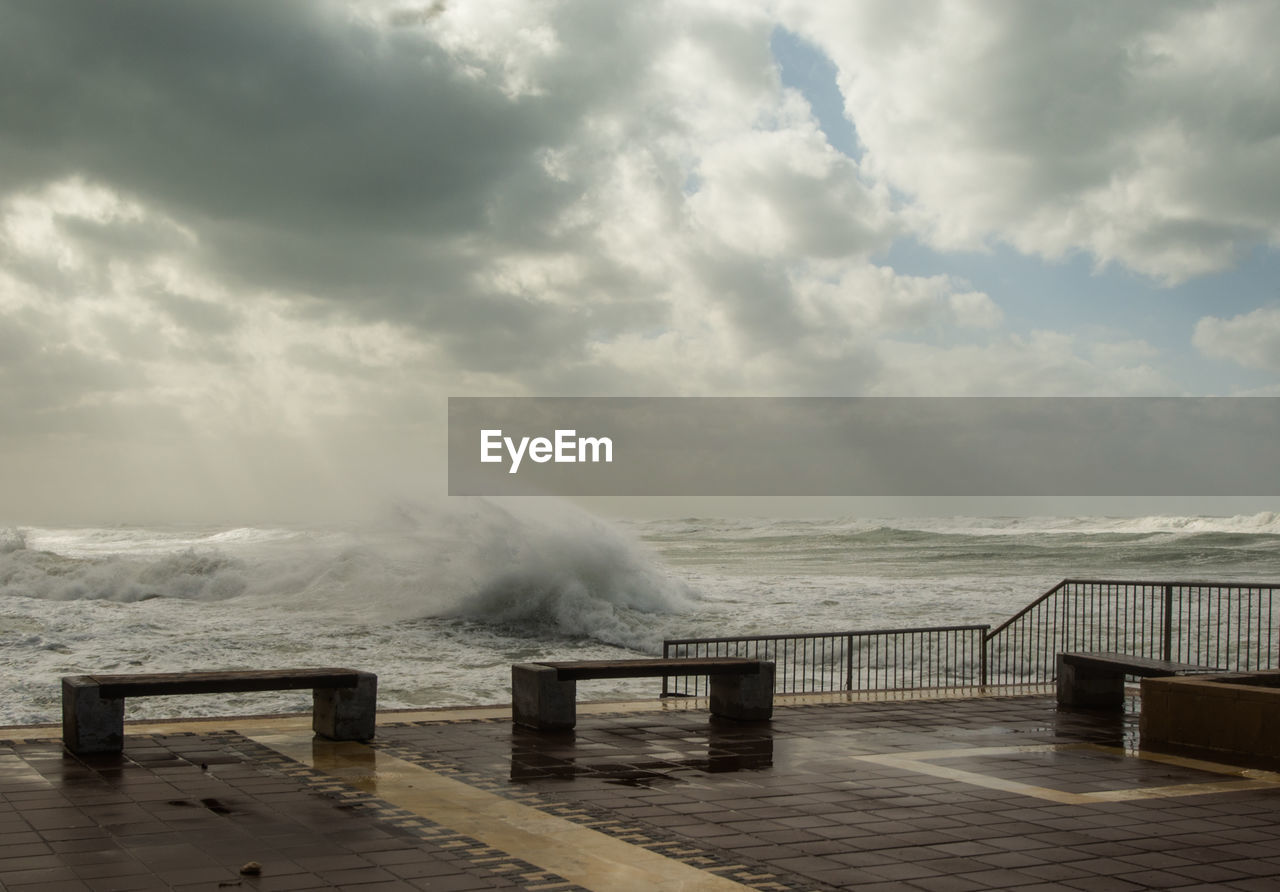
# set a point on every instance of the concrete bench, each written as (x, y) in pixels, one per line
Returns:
(544, 694)
(344, 700)
(1097, 679)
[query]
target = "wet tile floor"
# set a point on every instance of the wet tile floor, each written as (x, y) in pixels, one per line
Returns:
(962, 794)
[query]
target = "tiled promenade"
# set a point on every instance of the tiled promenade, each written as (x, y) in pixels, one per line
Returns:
(983, 793)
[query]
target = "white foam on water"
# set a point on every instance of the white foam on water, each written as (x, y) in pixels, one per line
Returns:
(552, 568)
(1261, 523)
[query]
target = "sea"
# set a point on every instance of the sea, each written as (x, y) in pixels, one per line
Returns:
(440, 600)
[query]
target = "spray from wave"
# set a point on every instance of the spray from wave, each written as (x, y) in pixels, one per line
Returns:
(187, 574)
(532, 569)
(12, 540)
(571, 575)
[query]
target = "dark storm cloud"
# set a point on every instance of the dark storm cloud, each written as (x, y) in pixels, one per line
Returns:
(384, 173)
(277, 123)
(363, 169)
(277, 113)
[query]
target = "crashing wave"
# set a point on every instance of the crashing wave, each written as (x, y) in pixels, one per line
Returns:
(548, 571)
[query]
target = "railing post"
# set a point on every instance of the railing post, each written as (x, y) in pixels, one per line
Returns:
(848, 662)
(1168, 623)
(666, 655)
(982, 655)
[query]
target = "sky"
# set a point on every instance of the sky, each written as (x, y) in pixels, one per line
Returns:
(248, 250)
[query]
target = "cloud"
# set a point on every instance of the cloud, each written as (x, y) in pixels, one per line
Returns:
(1250, 339)
(786, 193)
(1143, 133)
(275, 236)
(106, 314)
(877, 299)
(292, 139)
(1042, 363)
(537, 187)
(522, 196)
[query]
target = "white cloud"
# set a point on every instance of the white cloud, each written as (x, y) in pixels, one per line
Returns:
(106, 299)
(843, 298)
(1043, 363)
(1250, 339)
(786, 194)
(1145, 133)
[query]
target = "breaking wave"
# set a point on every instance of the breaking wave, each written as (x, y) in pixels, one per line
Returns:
(187, 574)
(598, 587)
(538, 571)
(12, 540)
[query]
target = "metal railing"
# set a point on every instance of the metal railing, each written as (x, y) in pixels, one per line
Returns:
(874, 660)
(1227, 625)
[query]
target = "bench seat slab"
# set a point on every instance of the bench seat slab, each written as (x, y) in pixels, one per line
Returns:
(153, 684)
(1146, 667)
(653, 668)
(1097, 679)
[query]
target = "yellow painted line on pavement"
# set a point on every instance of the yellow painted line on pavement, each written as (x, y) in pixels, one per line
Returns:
(581, 855)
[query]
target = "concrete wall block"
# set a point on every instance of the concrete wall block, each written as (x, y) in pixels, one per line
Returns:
(746, 698)
(90, 723)
(539, 700)
(347, 713)
(1078, 686)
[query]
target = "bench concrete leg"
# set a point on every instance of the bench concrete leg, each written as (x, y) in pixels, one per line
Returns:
(90, 723)
(539, 700)
(747, 698)
(1097, 688)
(347, 713)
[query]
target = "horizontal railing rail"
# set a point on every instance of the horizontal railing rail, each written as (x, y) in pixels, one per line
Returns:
(1226, 625)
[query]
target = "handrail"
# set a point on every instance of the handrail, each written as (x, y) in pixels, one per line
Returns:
(1025, 610)
(1187, 583)
(800, 635)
